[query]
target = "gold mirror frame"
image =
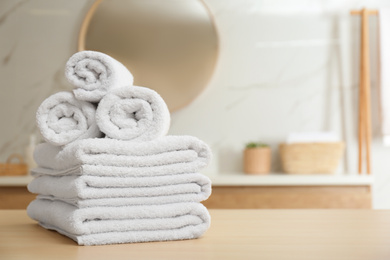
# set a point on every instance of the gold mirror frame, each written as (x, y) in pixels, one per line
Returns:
(176, 95)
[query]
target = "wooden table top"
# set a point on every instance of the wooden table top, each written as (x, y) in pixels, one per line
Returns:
(234, 234)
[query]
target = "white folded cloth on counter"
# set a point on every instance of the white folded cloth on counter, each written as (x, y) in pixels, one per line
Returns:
(119, 191)
(94, 73)
(113, 225)
(133, 113)
(167, 155)
(312, 137)
(62, 119)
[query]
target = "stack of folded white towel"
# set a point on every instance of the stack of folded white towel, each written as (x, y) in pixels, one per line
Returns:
(108, 173)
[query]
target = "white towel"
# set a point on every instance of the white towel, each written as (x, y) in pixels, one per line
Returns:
(62, 119)
(167, 155)
(94, 73)
(83, 191)
(133, 113)
(113, 225)
(312, 137)
(384, 44)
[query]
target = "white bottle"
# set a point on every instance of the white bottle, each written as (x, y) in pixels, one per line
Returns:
(30, 153)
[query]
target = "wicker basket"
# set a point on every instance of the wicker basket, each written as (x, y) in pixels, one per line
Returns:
(13, 169)
(307, 158)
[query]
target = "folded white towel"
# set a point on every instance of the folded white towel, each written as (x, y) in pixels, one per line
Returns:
(133, 113)
(94, 73)
(120, 191)
(62, 119)
(167, 155)
(112, 225)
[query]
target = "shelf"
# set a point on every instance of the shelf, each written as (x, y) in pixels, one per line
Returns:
(241, 179)
(280, 179)
(15, 180)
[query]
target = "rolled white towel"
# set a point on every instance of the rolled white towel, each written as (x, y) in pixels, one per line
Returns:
(166, 155)
(94, 73)
(62, 119)
(112, 225)
(133, 113)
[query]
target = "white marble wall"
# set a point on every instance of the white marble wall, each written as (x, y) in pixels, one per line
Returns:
(286, 66)
(36, 38)
(283, 66)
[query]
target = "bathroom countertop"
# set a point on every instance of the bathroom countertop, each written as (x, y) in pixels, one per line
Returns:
(241, 179)
(234, 234)
(282, 179)
(15, 180)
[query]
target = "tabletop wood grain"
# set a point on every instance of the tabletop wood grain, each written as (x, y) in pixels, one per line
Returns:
(234, 234)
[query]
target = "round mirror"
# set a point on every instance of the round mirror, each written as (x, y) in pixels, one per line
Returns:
(170, 46)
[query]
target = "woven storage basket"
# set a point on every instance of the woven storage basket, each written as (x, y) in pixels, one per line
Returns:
(306, 158)
(12, 169)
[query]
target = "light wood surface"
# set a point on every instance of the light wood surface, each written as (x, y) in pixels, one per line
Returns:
(15, 197)
(364, 132)
(359, 12)
(365, 85)
(257, 160)
(249, 197)
(234, 234)
(290, 197)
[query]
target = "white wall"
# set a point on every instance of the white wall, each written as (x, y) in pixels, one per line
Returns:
(286, 66)
(36, 39)
(283, 66)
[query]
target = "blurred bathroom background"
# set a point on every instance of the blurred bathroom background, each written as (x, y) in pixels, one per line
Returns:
(273, 68)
